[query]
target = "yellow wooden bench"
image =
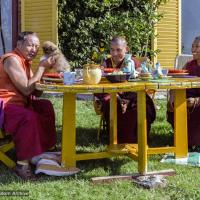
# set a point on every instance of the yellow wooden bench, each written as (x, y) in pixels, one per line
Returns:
(6, 144)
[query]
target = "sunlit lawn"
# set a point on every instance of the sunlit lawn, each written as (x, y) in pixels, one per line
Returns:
(184, 185)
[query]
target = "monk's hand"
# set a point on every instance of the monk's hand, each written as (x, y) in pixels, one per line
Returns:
(124, 105)
(193, 101)
(47, 63)
(190, 102)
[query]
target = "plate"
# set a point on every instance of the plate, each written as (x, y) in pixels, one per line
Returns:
(109, 70)
(52, 75)
(162, 77)
(54, 80)
(162, 80)
(177, 74)
(187, 76)
(146, 78)
(170, 71)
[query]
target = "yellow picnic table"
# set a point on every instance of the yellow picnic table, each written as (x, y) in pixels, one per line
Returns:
(140, 151)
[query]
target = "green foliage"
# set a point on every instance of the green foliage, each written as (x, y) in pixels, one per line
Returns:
(83, 24)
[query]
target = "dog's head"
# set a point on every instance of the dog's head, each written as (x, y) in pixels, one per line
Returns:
(49, 48)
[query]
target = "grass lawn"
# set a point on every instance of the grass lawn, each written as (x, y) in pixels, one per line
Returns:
(184, 185)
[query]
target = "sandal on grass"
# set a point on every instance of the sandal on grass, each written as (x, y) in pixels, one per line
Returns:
(56, 156)
(24, 172)
(52, 168)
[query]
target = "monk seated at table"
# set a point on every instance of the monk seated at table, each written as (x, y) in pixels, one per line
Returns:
(193, 100)
(30, 121)
(126, 101)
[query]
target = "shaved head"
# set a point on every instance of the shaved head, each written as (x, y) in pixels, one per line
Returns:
(119, 41)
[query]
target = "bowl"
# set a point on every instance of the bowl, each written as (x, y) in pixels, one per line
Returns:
(146, 74)
(52, 75)
(117, 78)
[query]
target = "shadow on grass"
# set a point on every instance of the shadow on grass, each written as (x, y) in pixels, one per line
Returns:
(84, 137)
(160, 140)
(87, 137)
(90, 168)
(112, 166)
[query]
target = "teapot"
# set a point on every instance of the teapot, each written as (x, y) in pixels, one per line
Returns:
(91, 73)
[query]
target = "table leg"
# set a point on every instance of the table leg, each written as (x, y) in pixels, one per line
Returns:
(142, 132)
(180, 123)
(113, 118)
(69, 130)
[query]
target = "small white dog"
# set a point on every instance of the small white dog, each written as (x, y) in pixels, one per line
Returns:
(50, 49)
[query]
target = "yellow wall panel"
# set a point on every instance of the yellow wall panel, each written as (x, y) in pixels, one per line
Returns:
(168, 39)
(41, 17)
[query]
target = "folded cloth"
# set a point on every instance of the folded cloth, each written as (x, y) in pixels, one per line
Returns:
(48, 155)
(52, 168)
(193, 159)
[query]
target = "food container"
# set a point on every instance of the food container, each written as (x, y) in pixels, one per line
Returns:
(145, 74)
(118, 78)
(91, 74)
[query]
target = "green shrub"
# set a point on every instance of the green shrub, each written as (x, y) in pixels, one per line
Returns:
(84, 24)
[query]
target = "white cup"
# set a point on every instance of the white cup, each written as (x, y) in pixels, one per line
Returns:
(69, 78)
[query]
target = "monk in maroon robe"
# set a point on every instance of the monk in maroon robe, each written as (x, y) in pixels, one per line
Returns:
(193, 100)
(30, 122)
(126, 101)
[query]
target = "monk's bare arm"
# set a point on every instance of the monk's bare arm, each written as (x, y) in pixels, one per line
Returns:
(18, 76)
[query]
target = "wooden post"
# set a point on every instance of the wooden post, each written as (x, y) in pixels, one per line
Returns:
(69, 130)
(142, 132)
(180, 123)
(113, 118)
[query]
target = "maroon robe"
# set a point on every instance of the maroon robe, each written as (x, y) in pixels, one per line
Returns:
(31, 122)
(32, 127)
(126, 122)
(193, 113)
